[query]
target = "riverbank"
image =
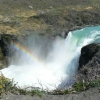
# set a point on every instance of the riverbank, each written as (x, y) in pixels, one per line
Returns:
(91, 94)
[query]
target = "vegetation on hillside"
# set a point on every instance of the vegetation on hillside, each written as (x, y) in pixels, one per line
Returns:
(8, 85)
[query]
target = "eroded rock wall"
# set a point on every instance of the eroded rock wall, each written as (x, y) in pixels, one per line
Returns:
(89, 62)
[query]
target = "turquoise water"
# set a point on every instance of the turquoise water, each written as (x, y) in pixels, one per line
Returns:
(79, 38)
(61, 64)
(92, 33)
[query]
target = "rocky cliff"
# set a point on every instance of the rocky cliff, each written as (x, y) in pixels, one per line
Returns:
(89, 62)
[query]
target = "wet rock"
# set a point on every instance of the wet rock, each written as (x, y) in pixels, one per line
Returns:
(5, 44)
(89, 63)
(64, 34)
(6, 49)
(87, 53)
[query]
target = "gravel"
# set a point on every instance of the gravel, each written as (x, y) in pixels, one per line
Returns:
(91, 94)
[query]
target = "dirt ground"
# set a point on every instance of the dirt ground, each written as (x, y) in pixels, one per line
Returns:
(91, 94)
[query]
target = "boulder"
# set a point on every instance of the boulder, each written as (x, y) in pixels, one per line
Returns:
(87, 53)
(5, 44)
(89, 62)
(6, 49)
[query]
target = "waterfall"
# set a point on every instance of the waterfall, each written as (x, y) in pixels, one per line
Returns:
(56, 68)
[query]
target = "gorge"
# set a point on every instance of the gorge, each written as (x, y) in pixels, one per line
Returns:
(49, 64)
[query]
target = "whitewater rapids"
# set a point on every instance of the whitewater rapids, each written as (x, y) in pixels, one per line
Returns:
(59, 66)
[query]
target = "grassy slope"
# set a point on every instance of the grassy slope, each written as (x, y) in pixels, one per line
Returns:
(15, 15)
(12, 6)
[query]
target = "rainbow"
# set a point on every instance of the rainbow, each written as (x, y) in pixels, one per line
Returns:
(27, 52)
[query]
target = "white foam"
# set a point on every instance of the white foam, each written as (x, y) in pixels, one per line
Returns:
(60, 65)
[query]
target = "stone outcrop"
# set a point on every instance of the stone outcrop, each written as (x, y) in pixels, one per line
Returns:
(87, 53)
(6, 49)
(89, 62)
(5, 44)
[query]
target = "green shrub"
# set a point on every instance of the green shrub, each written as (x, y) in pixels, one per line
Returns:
(80, 86)
(7, 85)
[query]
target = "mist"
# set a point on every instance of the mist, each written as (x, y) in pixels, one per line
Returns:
(47, 63)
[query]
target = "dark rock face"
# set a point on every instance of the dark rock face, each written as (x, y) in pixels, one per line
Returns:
(32, 41)
(6, 49)
(87, 53)
(5, 44)
(89, 62)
